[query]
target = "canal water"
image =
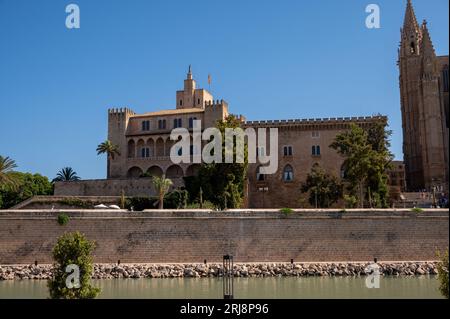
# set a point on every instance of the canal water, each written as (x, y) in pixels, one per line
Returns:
(252, 288)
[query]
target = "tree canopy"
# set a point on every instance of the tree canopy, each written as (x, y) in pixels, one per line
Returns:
(26, 185)
(222, 183)
(324, 189)
(367, 159)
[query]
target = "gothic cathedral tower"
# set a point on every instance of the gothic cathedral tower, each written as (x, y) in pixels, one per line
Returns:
(424, 90)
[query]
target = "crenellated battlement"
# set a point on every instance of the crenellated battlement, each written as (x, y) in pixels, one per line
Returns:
(119, 111)
(332, 120)
(215, 103)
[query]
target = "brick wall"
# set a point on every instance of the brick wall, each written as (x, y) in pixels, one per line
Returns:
(188, 236)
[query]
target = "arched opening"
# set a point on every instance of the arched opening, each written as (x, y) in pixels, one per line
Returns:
(288, 173)
(131, 149)
(174, 171)
(141, 148)
(154, 171)
(193, 170)
(169, 145)
(159, 147)
(134, 172)
(151, 147)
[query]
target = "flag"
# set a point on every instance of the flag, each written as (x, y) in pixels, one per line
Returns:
(209, 79)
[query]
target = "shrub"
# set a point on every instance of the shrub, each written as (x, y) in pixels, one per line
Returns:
(286, 211)
(206, 205)
(72, 249)
(350, 201)
(417, 210)
(443, 274)
(63, 219)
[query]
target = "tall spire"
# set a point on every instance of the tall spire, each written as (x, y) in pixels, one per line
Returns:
(410, 23)
(426, 46)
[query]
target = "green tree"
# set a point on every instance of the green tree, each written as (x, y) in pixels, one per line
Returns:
(378, 136)
(67, 174)
(443, 274)
(72, 249)
(223, 183)
(354, 146)
(162, 185)
(111, 150)
(7, 178)
(324, 189)
(367, 160)
(26, 185)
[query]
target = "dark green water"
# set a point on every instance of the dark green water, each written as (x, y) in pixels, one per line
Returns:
(253, 288)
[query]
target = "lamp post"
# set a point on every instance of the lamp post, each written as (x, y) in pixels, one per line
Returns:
(228, 276)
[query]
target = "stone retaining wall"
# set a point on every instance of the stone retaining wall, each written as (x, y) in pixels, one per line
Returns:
(250, 236)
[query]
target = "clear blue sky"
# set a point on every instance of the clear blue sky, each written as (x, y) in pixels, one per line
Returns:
(268, 59)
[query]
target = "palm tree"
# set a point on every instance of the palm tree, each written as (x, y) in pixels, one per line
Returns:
(7, 166)
(67, 174)
(162, 185)
(111, 150)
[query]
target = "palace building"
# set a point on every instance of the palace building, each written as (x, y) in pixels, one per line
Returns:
(144, 139)
(144, 144)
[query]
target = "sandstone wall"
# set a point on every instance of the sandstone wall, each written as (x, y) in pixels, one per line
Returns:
(250, 236)
(109, 187)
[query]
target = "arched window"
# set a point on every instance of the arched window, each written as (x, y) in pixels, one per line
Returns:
(288, 174)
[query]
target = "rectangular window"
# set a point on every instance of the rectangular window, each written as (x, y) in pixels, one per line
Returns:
(315, 134)
(145, 125)
(315, 150)
(287, 151)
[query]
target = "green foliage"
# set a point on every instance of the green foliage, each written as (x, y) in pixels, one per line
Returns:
(322, 187)
(173, 200)
(26, 185)
(72, 249)
(66, 174)
(417, 210)
(7, 176)
(222, 183)
(443, 274)
(367, 159)
(162, 186)
(350, 201)
(286, 211)
(108, 148)
(140, 203)
(76, 202)
(206, 205)
(63, 219)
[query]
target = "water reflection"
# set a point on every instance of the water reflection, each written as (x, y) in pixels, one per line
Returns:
(253, 288)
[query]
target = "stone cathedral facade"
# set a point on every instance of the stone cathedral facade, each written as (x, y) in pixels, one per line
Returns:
(424, 90)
